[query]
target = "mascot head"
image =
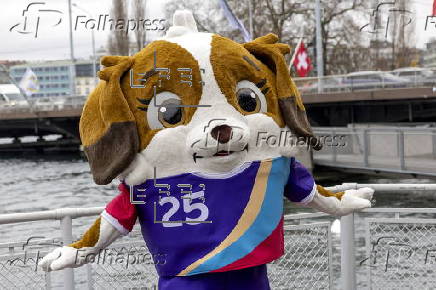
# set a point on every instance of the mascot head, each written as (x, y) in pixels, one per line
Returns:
(191, 102)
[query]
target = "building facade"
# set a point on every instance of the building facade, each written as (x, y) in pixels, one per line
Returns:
(56, 77)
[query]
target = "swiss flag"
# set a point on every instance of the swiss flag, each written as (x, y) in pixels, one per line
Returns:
(302, 62)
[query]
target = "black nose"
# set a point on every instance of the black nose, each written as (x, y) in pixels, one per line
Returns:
(222, 133)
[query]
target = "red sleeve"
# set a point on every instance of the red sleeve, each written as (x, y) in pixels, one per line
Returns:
(120, 212)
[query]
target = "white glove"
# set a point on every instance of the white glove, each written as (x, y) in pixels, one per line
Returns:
(352, 200)
(69, 257)
(59, 259)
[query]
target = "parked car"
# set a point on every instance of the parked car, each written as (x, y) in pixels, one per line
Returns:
(417, 75)
(364, 80)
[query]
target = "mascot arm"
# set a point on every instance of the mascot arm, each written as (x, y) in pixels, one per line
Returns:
(301, 188)
(342, 203)
(116, 220)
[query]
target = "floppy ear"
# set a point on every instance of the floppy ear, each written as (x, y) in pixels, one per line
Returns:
(107, 125)
(268, 51)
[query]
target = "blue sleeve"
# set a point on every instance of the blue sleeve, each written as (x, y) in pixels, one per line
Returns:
(301, 185)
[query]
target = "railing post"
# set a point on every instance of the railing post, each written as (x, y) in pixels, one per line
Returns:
(89, 276)
(348, 259)
(400, 146)
(334, 149)
(433, 142)
(67, 238)
(365, 147)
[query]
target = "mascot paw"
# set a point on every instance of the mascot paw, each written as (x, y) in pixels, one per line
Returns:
(355, 200)
(60, 258)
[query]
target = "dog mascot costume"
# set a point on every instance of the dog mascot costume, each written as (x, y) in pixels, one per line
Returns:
(185, 124)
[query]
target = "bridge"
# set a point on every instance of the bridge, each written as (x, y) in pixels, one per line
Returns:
(339, 100)
(332, 102)
(57, 116)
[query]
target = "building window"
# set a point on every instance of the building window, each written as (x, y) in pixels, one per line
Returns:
(63, 68)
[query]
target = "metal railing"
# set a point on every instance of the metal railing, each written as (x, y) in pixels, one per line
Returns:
(367, 81)
(378, 253)
(43, 104)
(409, 150)
(328, 84)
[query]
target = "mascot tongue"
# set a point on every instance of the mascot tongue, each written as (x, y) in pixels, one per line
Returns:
(223, 153)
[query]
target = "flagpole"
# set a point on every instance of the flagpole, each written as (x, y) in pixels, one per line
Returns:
(295, 53)
(72, 66)
(319, 48)
(250, 18)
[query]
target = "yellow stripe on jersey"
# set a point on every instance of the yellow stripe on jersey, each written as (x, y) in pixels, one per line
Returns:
(247, 218)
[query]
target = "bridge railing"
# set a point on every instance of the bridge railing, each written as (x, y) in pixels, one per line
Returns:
(390, 149)
(44, 104)
(329, 84)
(380, 248)
(361, 81)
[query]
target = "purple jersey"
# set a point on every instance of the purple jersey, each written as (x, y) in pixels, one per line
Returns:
(216, 222)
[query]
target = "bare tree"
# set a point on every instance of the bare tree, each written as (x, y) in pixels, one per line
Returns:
(403, 31)
(139, 13)
(118, 42)
(276, 16)
(339, 29)
(346, 48)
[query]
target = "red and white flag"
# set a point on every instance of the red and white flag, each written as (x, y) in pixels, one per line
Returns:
(301, 60)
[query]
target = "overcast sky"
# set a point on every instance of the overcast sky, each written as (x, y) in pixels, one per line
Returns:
(53, 41)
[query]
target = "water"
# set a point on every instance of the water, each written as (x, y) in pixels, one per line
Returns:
(46, 182)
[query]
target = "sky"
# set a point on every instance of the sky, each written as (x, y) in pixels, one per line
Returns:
(52, 41)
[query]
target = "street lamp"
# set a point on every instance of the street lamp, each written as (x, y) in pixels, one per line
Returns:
(94, 71)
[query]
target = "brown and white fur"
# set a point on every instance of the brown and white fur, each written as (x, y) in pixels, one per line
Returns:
(162, 149)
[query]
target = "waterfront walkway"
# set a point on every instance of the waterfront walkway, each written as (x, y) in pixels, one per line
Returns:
(408, 150)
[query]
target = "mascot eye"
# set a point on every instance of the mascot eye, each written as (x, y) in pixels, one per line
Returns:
(164, 111)
(250, 99)
(170, 113)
